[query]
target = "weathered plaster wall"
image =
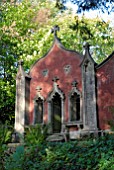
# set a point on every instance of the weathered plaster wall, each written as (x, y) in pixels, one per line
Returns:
(55, 62)
(105, 91)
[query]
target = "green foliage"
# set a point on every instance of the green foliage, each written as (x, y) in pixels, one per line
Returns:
(94, 31)
(16, 160)
(5, 133)
(5, 137)
(106, 164)
(81, 154)
(35, 135)
(7, 106)
(35, 138)
(95, 154)
(15, 21)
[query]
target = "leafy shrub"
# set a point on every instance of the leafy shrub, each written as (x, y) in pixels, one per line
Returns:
(24, 156)
(5, 137)
(16, 160)
(90, 154)
(5, 133)
(35, 135)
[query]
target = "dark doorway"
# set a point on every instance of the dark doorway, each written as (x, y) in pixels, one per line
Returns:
(56, 113)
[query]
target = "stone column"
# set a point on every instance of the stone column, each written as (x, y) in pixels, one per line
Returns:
(89, 93)
(20, 100)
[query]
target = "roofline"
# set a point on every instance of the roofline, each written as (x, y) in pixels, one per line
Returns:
(90, 59)
(105, 61)
(85, 57)
(56, 39)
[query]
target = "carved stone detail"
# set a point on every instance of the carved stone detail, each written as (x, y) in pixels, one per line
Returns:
(72, 92)
(55, 29)
(51, 95)
(67, 69)
(38, 106)
(45, 72)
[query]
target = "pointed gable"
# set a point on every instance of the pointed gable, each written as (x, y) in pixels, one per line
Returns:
(58, 62)
(87, 55)
(20, 72)
(56, 50)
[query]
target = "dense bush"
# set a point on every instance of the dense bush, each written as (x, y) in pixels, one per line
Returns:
(35, 134)
(89, 154)
(5, 137)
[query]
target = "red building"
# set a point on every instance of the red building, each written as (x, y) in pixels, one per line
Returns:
(66, 90)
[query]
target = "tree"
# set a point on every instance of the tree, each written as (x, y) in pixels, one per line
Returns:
(85, 5)
(15, 21)
(25, 33)
(98, 33)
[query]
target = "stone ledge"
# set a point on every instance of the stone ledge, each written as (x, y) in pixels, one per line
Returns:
(57, 137)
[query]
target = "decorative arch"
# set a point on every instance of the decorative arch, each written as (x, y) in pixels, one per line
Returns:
(55, 90)
(38, 107)
(75, 104)
(56, 108)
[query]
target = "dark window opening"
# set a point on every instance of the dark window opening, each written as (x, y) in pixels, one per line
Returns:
(39, 111)
(56, 113)
(75, 107)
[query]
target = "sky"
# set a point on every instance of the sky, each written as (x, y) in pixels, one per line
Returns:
(93, 14)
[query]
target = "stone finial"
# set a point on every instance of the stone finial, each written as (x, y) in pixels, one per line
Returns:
(38, 88)
(20, 62)
(20, 72)
(86, 45)
(55, 85)
(74, 83)
(55, 29)
(38, 95)
(55, 79)
(86, 48)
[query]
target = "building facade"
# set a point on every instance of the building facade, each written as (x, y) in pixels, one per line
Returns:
(66, 90)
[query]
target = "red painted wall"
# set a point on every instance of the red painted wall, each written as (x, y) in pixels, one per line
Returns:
(55, 61)
(105, 92)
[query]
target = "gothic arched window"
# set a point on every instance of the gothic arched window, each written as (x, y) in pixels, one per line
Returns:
(38, 107)
(75, 102)
(56, 108)
(75, 107)
(38, 115)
